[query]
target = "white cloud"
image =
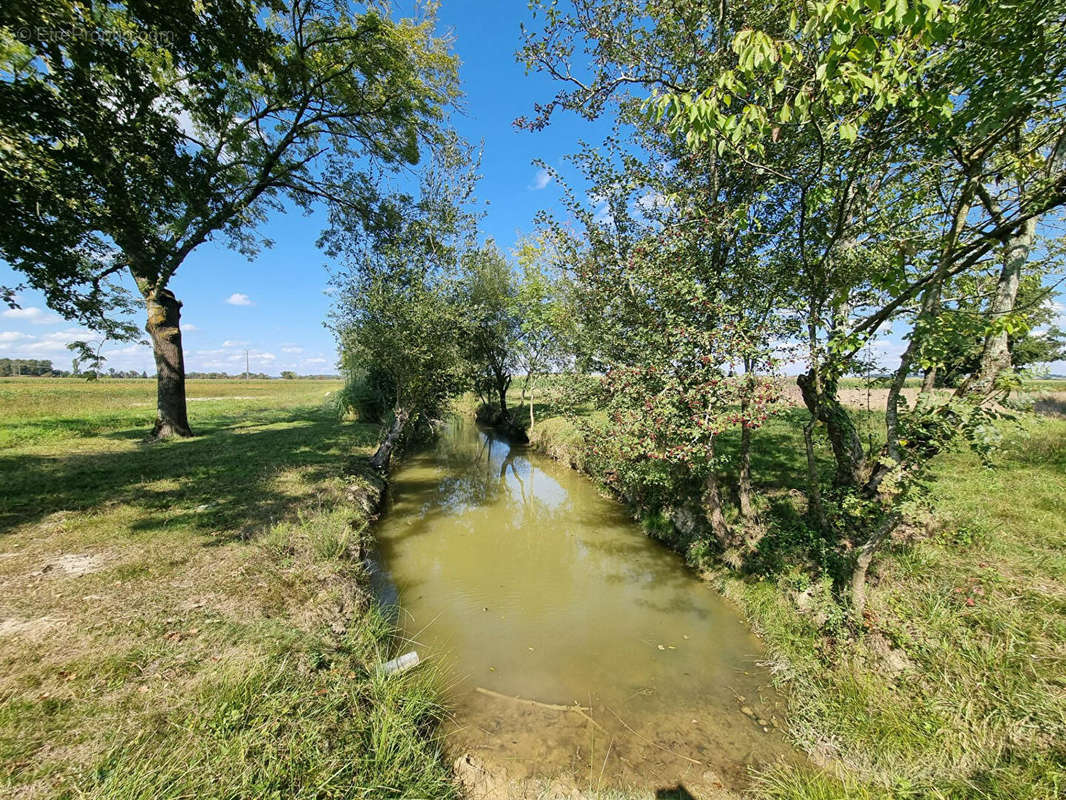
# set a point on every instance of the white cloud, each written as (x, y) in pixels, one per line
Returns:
(652, 201)
(234, 343)
(291, 349)
(541, 180)
(885, 353)
(1060, 314)
(19, 344)
(31, 314)
(310, 361)
(187, 328)
(128, 350)
(239, 299)
(57, 342)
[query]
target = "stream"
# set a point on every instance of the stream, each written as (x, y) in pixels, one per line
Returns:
(522, 581)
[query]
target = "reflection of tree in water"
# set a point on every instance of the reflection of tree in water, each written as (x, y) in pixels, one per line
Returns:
(466, 457)
(476, 466)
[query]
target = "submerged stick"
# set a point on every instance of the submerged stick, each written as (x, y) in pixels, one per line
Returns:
(649, 741)
(581, 711)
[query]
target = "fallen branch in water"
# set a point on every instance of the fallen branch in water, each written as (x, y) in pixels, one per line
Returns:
(581, 711)
(649, 741)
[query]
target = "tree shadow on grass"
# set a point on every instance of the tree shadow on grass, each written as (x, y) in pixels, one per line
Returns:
(220, 481)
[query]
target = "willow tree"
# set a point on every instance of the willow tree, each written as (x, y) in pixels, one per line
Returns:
(133, 133)
(400, 310)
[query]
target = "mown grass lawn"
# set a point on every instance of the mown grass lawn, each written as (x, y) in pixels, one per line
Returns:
(186, 619)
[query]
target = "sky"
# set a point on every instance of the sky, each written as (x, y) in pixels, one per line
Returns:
(275, 306)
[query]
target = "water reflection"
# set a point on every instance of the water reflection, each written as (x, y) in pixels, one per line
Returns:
(525, 582)
(473, 476)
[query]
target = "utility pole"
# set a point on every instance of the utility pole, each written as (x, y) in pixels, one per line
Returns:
(247, 367)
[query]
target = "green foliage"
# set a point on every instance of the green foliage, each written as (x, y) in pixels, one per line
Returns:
(366, 394)
(489, 290)
(208, 110)
(400, 312)
(953, 346)
(25, 366)
(132, 133)
(406, 329)
(819, 170)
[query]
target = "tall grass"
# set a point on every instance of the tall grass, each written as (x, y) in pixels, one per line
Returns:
(300, 726)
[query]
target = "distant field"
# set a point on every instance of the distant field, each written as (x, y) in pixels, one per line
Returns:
(40, 409)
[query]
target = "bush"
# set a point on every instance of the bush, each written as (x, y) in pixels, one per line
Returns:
(365, 395)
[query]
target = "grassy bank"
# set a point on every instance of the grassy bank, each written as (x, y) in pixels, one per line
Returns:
(187, 619)
(956, 689)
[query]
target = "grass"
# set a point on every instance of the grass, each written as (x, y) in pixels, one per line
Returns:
(188, 619)
(958, 688)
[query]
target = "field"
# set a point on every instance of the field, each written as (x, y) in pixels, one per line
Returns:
(189, 619)
(957, 689)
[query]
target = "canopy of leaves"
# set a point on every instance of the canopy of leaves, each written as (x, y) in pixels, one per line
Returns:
(131, 133)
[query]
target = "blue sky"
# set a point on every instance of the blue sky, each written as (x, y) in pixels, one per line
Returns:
(275, 306)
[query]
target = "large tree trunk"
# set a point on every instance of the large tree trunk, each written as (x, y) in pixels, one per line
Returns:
(995, 356)
(382, 456)
(712, 504)
(164, 312)
(747, 510)
(929, 381)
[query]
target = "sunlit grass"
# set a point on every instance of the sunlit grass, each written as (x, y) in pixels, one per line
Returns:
(186, 619)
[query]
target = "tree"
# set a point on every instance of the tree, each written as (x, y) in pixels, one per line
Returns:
(288, 374)
(20, 366)
(400, 315)
(675, 300)
(879, 150)
(541, 307)
(88, 358)
(955, 353)
(490, 292)
(898, 96)
(132, 133)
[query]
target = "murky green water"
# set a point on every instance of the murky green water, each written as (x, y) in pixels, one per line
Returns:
(522, 580)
